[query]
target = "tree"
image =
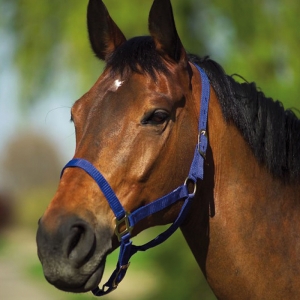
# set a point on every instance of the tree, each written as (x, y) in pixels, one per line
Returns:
(30, 161)
(51, 42)
(257, 39)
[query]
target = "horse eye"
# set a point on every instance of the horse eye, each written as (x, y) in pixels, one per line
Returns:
(156, 118)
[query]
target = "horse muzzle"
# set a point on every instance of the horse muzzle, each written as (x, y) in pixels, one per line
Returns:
(73, 253)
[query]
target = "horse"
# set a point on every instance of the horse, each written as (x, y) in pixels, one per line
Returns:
(161, 124)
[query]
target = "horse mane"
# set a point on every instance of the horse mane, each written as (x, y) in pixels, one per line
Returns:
(272, 132)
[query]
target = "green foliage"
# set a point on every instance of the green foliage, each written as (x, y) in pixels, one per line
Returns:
(47, 35)
(262, 41)
(257, 39)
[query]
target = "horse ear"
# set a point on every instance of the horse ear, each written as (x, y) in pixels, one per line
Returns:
(163, 31)
(105, 36)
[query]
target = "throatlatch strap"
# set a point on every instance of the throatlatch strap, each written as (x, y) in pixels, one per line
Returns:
(130, 220)
(197, 167)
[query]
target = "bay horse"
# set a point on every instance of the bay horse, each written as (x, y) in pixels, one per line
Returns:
(162, 124)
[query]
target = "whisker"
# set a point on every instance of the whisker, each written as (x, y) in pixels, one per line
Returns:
(51, 110)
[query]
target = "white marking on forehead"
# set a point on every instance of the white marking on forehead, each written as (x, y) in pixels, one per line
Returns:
(117, 83)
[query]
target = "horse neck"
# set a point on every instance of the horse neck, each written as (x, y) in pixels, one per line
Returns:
(242, 213)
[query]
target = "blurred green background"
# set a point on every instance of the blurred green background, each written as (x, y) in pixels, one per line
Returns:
(46, 64)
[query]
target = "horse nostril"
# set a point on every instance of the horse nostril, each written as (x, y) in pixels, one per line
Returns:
(81, 244)
(75, 236)
(73, 243)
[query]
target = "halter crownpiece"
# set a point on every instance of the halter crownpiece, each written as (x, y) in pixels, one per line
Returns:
(127, 249)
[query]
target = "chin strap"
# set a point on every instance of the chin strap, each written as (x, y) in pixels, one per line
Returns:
(129, 220)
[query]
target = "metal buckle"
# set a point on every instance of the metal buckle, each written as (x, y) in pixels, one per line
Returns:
(119, 223)
(204, 133)
(115, 284)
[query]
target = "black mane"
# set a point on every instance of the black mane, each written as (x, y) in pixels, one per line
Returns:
(272, 132)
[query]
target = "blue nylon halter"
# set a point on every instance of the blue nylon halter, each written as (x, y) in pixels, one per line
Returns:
(127, 249)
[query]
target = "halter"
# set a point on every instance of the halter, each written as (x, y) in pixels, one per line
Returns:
(130, 219)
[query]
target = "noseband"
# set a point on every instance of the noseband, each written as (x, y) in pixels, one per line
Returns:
(130, 219)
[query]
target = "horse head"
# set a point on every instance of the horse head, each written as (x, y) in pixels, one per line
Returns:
(138, 126)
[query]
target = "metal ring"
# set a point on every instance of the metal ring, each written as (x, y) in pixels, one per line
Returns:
(195, 186)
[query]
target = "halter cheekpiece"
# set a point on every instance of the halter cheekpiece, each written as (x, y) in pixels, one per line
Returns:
(130, 219)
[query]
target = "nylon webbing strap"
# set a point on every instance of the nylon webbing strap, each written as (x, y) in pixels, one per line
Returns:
(130, 220)
(197, 167)
(107, 191)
